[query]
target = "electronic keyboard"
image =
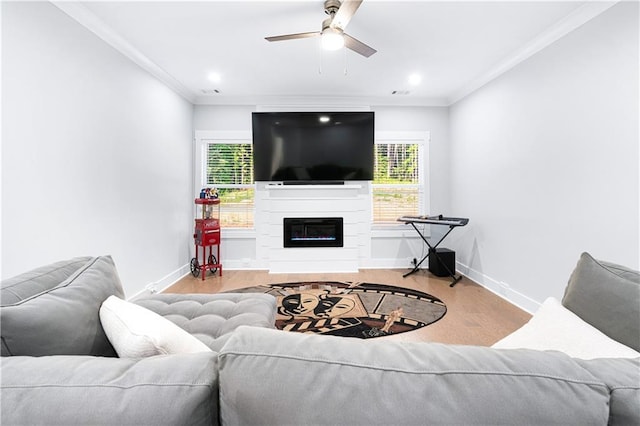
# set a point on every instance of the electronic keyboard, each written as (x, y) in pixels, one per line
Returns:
(435, 220)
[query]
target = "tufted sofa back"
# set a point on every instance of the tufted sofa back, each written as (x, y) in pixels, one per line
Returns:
(213, 317)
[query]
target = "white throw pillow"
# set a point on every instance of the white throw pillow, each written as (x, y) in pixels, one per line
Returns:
(136, 332)
(554, 327)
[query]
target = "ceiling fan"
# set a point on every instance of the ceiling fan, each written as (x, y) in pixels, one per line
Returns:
(332, 33)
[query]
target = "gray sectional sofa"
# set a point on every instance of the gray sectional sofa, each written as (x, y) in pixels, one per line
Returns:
(65, 372)
(59, 367)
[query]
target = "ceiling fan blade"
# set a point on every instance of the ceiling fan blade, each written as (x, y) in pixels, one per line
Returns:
(293, 36)
(345, 13)
(358, 46)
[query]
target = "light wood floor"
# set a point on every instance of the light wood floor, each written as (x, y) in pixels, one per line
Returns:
(475, 316)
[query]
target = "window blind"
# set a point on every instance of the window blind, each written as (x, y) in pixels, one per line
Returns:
(397, 187)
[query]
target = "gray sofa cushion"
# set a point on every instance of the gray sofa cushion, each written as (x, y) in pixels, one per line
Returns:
(85, 390)
(622, 376)
(212, 317)
(275, 377)
(54, 310)
(607, 296)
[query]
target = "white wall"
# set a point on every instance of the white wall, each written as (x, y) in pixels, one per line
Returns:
(223, 117)
(393, 251)
(545, 162)
(96, 153)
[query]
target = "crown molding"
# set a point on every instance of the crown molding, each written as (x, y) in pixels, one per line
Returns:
(91, 22)
(575, 19)
(321, 100)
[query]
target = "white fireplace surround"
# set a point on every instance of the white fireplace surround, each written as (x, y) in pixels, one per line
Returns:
(351, 201)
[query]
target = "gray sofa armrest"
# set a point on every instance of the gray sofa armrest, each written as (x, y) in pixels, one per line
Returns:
(276, 377)
(82, 390)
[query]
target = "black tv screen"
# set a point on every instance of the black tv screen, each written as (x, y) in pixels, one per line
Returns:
(313, 147)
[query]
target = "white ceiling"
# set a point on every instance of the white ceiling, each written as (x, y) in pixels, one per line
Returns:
(455, 46)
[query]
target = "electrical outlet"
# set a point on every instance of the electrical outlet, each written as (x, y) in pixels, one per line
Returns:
(414, 262)
(151, 287)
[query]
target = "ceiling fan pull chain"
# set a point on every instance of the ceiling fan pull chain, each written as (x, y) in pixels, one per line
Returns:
(344, 51)
(319, 58)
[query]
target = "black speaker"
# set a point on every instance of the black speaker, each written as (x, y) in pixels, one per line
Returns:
(445, 259)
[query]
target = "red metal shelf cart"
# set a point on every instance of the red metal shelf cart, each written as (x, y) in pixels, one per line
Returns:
(206, 237)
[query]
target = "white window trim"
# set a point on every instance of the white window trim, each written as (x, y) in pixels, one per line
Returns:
(201, 139)
(399, 137)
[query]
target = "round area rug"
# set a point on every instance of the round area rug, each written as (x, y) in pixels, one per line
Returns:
(347, 309)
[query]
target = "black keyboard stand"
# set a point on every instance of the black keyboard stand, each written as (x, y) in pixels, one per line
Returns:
(432, 248)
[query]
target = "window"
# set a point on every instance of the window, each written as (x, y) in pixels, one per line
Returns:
(398, 184)
(227, 165)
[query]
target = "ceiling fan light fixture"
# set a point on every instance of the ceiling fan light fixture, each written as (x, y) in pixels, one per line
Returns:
(332, 39)
(415, 79)
(332, 35)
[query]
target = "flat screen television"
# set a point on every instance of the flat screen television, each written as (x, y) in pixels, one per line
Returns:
(313, 147)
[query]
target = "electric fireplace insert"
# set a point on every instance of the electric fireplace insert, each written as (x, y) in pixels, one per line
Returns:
(313, 232)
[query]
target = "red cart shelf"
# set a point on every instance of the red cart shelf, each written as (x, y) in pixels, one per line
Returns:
(207, 236)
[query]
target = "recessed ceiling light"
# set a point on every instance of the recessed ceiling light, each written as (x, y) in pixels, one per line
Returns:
(415, 79)
(214, 77)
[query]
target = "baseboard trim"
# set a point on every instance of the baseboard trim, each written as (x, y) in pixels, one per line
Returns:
(387, 263)
(499, 288)
(164, 283)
